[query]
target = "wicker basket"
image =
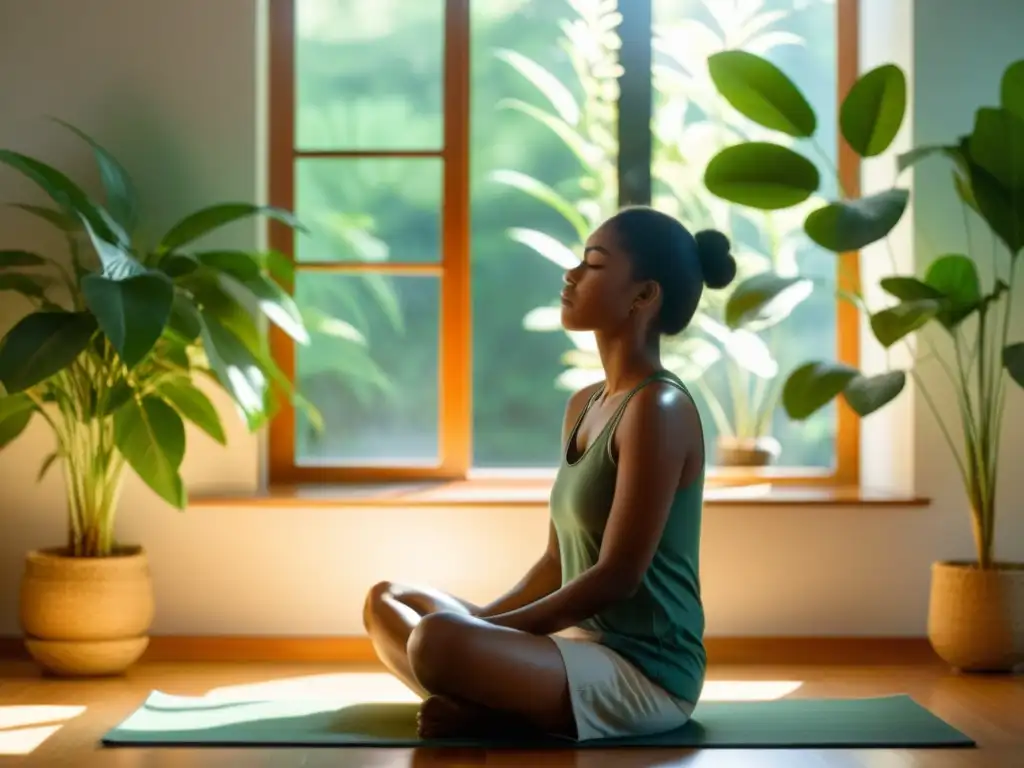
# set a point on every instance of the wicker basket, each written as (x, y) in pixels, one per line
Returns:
(976, 617)
(746, 451)
(86, 616)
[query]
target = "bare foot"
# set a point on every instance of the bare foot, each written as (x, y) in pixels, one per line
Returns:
(443, 717)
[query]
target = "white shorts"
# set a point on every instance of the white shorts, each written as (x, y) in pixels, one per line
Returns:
(610, 696)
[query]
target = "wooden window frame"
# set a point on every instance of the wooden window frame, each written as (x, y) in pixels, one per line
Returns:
(455, 422)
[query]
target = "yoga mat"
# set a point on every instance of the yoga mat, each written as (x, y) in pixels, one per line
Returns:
(888, 721)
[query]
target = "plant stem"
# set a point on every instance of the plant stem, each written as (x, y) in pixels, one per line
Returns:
(942, 425)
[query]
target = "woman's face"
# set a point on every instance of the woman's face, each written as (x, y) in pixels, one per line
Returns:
(600, 291)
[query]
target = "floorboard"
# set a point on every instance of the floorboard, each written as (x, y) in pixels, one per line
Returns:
(53, 722)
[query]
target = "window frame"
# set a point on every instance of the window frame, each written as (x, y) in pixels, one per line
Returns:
(453, 270)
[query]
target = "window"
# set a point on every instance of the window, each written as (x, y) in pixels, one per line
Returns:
(444, 201)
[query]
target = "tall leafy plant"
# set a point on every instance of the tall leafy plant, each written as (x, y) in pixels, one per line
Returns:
(110, 355)
(988, 177)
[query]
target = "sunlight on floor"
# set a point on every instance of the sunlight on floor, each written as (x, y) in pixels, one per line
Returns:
(356, 687)
(24, 728)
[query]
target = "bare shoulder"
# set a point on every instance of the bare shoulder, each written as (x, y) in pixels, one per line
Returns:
(663, 414)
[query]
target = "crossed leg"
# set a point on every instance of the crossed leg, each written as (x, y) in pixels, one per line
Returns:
(472, 673)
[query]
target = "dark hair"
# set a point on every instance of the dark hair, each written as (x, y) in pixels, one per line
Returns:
(663, 250)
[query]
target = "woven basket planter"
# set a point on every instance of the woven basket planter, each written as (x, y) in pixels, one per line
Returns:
(86, 616)
(976, 617)
(746, 451)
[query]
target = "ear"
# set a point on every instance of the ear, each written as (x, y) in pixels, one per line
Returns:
(648, 296)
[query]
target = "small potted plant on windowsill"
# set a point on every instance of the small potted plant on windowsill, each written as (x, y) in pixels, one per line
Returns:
(976, 610)
(110, 358)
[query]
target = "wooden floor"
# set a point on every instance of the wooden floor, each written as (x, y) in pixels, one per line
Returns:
(51, 722)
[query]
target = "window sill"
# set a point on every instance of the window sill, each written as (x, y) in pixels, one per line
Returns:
(534, 493)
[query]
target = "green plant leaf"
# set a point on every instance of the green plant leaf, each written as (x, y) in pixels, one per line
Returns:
(866, 394)
(32, 286)
(117, 262)
(235, 368)
(813, 385)
(42, 344)
(1001, 208)
(892, 324)
(1013, 359)
(761, 175)
(546, 195)
(240, 265)
(15, 414)
(47, 463)
(278, 266)
(131, 312)
(850, 225)
(909, 288)
(764, 299)
(762, 92)
(68, 195)
(151, 437)
(205, 221)
(955, 277)
(997, 146)
(873, 110)
(116, 397)
(551, 87)
(122, 198)
(194, 406)
(589, 155)
(184, 318)
(176, 265)
(10, 259)
(917, 154)
(551, 249)
(62, 221)
(1011, 88)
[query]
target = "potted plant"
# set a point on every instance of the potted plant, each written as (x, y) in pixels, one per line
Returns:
(976, 610)
(110, 358)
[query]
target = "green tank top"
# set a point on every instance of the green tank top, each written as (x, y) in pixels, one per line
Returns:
(660, 629)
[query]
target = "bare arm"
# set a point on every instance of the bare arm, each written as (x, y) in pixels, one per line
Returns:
(651, 461)
(545, 576)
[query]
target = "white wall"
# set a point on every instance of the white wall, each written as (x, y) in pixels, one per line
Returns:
(187, 123)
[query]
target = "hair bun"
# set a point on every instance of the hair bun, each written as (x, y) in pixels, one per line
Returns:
(716, 260)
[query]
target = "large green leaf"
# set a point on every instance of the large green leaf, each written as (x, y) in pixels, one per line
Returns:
(541, 192)
(59, 219)
(205, 221)
(915, 155)
(549, 85)
(873, 110)
(1013, 359)
(813, 385)
(194, 406)
(997, 146)
(118, 263)
(761, 175)
(42, 344)
(131, 312)
(236, 368)
(32, 286)
(68, 195)
(151, 437)
(892, 324)
(764, 299)
(866, 394)
(184, 318)
(909, 288)
(850, 225)
(15, 414)
(1002, 208)
(244, 272)
(955, 277)
(555, 251)
(10, 259)
(122, 198)
(1011, 88)
(761, 91)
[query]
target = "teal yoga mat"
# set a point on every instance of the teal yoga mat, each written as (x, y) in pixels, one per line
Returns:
(888, 721)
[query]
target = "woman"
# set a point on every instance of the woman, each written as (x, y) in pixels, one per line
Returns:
(603, 637)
